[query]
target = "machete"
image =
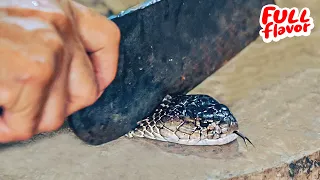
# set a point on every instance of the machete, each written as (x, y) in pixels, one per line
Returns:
(167, 47)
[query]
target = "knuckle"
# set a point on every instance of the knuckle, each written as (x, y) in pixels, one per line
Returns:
(110, 76)
(5, 137)
(44, 75)
(44, 57)
(89, 95)
(113, 29)
(117, 32)
(90, 98)
(24, 136)
(7, 96)
(42, 72)
(54, 41)
(52, 123)
(55, 125)
(113, 74)
(19, 131)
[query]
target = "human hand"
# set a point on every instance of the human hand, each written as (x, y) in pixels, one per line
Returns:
(57, 57)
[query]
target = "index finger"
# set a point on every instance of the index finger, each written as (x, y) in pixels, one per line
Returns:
(101, 38)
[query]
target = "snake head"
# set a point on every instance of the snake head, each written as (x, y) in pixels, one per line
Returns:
(220, 115)
(224, 115)
(225, 119)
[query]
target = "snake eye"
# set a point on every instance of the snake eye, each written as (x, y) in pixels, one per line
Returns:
(224, 108)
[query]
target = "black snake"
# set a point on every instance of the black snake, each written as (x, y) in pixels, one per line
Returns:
(190, 120)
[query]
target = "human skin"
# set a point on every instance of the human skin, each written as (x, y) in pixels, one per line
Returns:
(56, 57)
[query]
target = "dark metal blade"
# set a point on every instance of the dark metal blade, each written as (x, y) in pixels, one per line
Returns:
(167, 47)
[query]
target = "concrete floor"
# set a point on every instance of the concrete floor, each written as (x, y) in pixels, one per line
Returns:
(273, 90)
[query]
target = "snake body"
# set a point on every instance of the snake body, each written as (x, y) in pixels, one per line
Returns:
(189, 120)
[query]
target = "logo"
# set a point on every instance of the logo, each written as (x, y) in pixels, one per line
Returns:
(278, 23)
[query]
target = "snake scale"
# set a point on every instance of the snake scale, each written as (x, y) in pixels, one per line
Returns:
(189, 120)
